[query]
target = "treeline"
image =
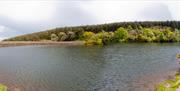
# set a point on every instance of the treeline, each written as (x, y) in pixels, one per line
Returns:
(46, 35)
(152, 34)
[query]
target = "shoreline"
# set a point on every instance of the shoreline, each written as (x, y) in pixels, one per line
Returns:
(26, 43)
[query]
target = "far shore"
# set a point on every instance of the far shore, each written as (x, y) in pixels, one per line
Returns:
(24, 43)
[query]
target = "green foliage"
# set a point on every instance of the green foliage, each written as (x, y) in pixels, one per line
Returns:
(79, 33)
(78, 30)
(170, 85)
(54, 37)
(147, 35)
(177, 35)
(62, 36)
(101, 38)
(71, 35)
(88, 35)
(3, 87)
(94, 41)
(154, 34)
(129, 28)
(106, 37)
(121, 34)
(161, 37)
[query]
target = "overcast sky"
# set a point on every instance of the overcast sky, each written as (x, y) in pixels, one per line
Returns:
(25, 16)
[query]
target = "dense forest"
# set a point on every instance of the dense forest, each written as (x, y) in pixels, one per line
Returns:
(146, 31)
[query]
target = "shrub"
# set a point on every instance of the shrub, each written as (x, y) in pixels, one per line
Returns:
(161, 37)
(89, 42)
(121, 34)
(129, 28)
(177, 35)
(171, 36)
(148, 32)
(95, 41)
(62, 36)
(101, 38)
(79, 33)
(71, 35)
(54, 37)
(88, 35)
(132, 38)
(149, 35)
(143, 38)
(111, 37)
(106, 37)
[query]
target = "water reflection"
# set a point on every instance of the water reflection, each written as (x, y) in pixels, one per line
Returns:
(122, 67)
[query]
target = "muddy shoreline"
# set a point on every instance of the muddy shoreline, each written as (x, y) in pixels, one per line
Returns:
(26, 43)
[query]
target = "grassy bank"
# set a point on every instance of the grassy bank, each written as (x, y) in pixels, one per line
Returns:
(170, 85)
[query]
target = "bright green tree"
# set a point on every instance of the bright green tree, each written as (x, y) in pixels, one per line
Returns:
(121, 34)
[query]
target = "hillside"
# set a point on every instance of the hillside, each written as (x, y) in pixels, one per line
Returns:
(111, 27)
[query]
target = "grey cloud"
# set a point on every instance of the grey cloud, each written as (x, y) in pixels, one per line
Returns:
(71, 13)
(67, 14)
(156, 12)
(7, 32)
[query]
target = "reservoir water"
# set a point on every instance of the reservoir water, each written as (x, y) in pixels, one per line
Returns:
(118, 67)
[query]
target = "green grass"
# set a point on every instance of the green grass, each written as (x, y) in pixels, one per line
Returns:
(170, 85)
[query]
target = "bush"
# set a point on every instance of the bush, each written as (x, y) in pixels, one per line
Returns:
(148, 35)
(95, 41)
(79, 33)
(121, 35)
(89, 42)
(62, 36)
(171, 36)
(132, 38)
(177, 35)
(148, 32)
(106, 37)
(54, 37)
(71, 35)
(143, 38)
(161, 37)
(101, 38)
(88, 35)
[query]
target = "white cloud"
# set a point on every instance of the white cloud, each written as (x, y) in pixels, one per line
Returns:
(2, 29)
(27, 16)
(114, 11)
(6, 32)
(27, 11)
(174, 7)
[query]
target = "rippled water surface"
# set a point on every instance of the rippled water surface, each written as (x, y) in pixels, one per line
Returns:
(120, 67)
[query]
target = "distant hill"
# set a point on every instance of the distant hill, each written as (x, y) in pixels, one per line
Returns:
(46, 35)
